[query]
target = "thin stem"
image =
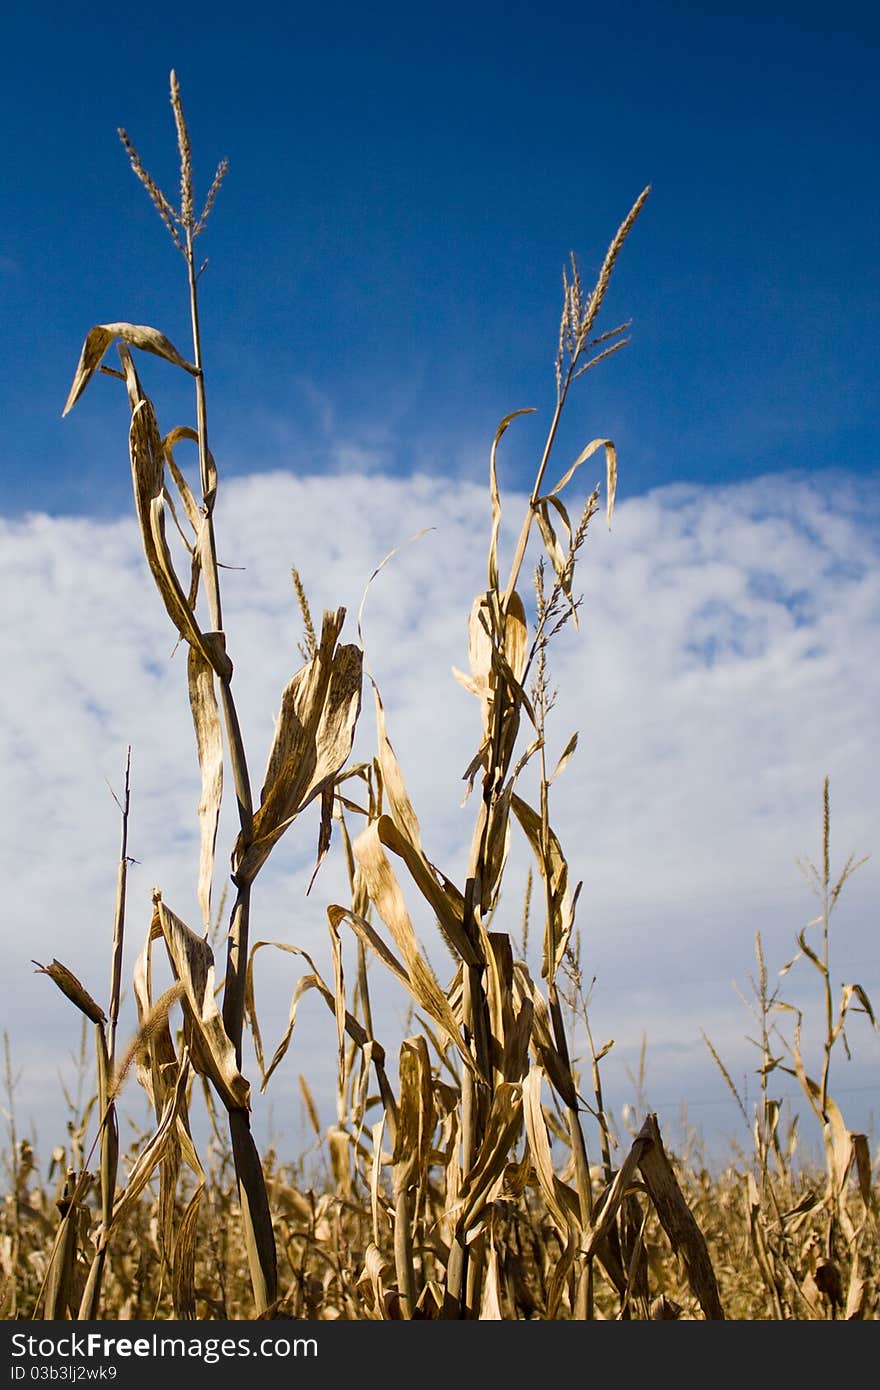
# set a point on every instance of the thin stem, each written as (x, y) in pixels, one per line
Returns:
(256, 1216)
(119, 919)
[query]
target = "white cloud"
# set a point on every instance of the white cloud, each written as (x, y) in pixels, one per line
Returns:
(727, 660)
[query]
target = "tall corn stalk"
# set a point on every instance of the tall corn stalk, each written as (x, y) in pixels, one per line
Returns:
(314, 731)
(493, 1043)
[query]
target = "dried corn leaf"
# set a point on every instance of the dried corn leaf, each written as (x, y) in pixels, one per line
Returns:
(499, 990)
(855, 991)
(302, 987)
(396, 795)
(606, 1209)
(338, 995)
(565, 758)
(582, 457)
(401, 834)
(862, 1158)
(558, 557)
(553, 867)
(325, 831)
(183, 1260)
(209, 742)
(488, 637)
(677, 1219)
(511, 1012)
(838, 1145)
(416, 1115)
(375, 1273)
(559, 1277)
(154, 1151)
(494, 494)
(147, 466)
(859, 1287)
(489, 854)
(541, 1040)
(367, 933)
(438, 891)
(76, 992)
(490, 1308)
(156, 1061)
(192, 509)
(561, 1200)
(99, 339)
(354, 1029)
(211, 1049)
(385, 894)
(610, 482)
(313, 738)
(838, 1140)
(339, 1146)
(515, 1055)
(486, 1176)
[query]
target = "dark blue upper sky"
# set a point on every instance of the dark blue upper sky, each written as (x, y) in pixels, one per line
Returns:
(405, 185)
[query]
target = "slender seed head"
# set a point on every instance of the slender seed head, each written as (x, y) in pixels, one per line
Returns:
(160, 202)
(185, 150)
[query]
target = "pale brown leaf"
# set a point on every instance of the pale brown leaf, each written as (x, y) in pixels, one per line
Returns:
(151, 1155)
(482, 1183)
(313, 738)
(148, 466)
(494, 494)
(99, 339)
(211, 1048)
(385, 894)
(209, 742)
(416, 1115)
(554, 871)
(76, 992)
(561, 1202)
(565, 758)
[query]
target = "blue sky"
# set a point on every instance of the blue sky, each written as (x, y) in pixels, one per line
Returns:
(384, 284)
(406, 184)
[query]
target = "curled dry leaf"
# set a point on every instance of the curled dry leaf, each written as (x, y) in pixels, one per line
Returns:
(99, 339)
(353, 1027)
(399, 831)
(561, 1200)
(438, 891)
(486, 1176)
(313, 738)
(183, 1260)
(169, 444)
(554, 871)
(610, 472)
(416, 1114)
(541, 1041)
(495, 495)
(157, 1059)
(485, 621)
(564, 759)
(851, 992)
(211, 1048)
(384, 892)
(148, 467)
(76, 992)
(677, 1219)
(152, 1154)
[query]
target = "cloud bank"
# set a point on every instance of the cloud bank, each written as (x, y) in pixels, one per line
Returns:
(726, 662)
